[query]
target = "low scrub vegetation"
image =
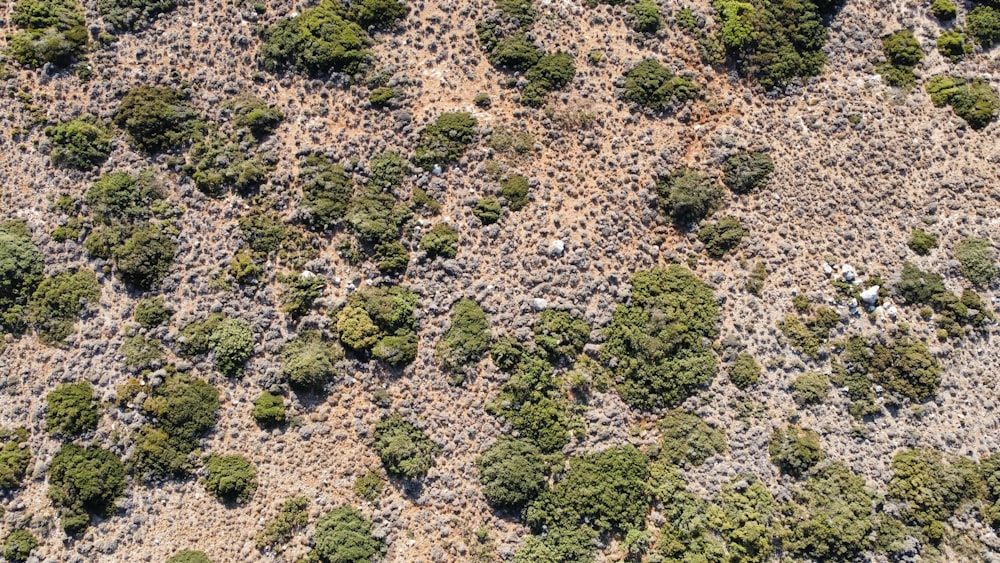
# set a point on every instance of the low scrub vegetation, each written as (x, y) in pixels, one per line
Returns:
(49, 31)
(685, 437)
(687, 195)
(158, 118)
(319, 40)
(380, 321)
(973, 100)
(82, 144)
(652, 86)
(71, 409)
(444, 140)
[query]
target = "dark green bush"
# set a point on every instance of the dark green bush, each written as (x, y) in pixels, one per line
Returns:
(906, 368)
(83, 143)
(513, 472)
(58, 301)
(983, 24)
(269, 410)
(84, 481)
(830, 516)
(19, 545)
(233, 342)
(516, 52)
(560, 334)
(722, 236)
(151, 312)
(21, 267)
(133, 15)
(440, 240)
(951, 44)
(156, 456)
(977, 260)
(919, 287)
(380, 14)
(645, 16)
(51, 31)
(309, 360)
(158, 118)
(189, 556)
(533, 401)
(380, 320)
(381, 97)
(264, 231)
(654, 86)
(744, 371)
(922, 242)
(445, 140)
(326, 192)
(747, 171)
(974, 100)
(254, 115)
(655, 345)
(743, 513)
(487, 210)
(465, 341)
(387, 170)
(391, 258)
(404, 449)
(119, 198)
(377, 217)
(515, 191)
(810, 388)
(292, 518)
(344, 535)
(319, 40)
(902, 52)
(930, 486)
(687, 195)
(231, 478)
(795, 450)
(944, 10)
(685, 437)
(71, 409)
(185, 408)
(145, 258)
(369, 486)
(300, 293)
(14, 458)
(553, 71)
(218, 165)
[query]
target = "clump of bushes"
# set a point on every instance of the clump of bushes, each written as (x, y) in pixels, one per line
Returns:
(744, 372)
(58, 301)
(983, 24)
(71, 409)
(553, 71)
(158, 118)
(380, 321)
(951, 44)
(747, 171)
(830, 516)
(50, 31)
(807, 333)
(344, 535)
(534, 403)
(655, 346)
(146, 256)
(487, 210)
(954, 313)
(973, 100)
(515, 191)
(810, 388)
(465, 341)
(722, 236)
(83, 143)
(655, 87)
(445, 140)
(369, 486)
(922, 242)
(321, 39)
(931, 487)
(152, 312)
(269, 410)
(231, 478)
(944, 10)
(264, 231)
(977, 261)
(18, 546)
(743, 513)
(440, 240)
(404, 449)
(904, 368)
(14, 457)
(560, 334)
(232, 341)
(513, 472)
(687, 195)
(82, 482)
(309, 360)
(279, 531)
(21, 267)
(795, 450)
(189, 556)
(300, 293)
(254, 115)
(902, 52)
(685, 437)
(645, 16)
(218, 165)
(133, 15)
(379, 14)
(326, 192)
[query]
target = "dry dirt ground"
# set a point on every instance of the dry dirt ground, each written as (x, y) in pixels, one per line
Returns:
(842, 192)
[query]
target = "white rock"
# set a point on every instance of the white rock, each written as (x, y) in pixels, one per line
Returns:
(848, 272)
(556, 248)
(870, 295)
(539, 304)
(827, 269)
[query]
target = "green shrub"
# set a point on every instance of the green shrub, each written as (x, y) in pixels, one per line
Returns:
(380, 318)
(326, 192)
(535, 404)
(142, 353)
(254, 115)
(553, 71)
(14, 458)
(722, 236)
(396, 350)
(516, 53)
(380, 14)
(654, 346)
(377, 217)
(645, 16)
(19, 545)
(158, 118)
(292, 518)
(369, 486)
(930, 486)
(51, 31)
(21, 267)
(391, 258)
(506, 353)
(189, 556)
(232, 342)
(515, 191)
(83, 143)
(744, 371)
(922, 242)
(687, 195)
(807, 336)
(944, 10)
(231, 478)
(654, 86)
(244, 269)
(465, 341)
(919, 287)
(133, 15)
(218, 165)
(380, 97)
(983, 24)
(269, 410)
(747, 171)
(810, 388)
(156, 456)
(951, 44)
(319, 40)
(58, 302)
(71, 409)
(84, 481)
(440, 240)
(344, 535)
(743, 513)
(387, 170)
(902, 52)
(977, 261)
(301, 292)
(830, 516)
(152, 312)
(756, 279)
(795, 450)
(487, 210)
(974, 100)
(684, 436)
(445, 140)
(560, 334)
(309, 360)
(513, 472)
(119, 198)
(184, 408)
(146, 256)
(404, 449)
(264, 231)
(905, 368)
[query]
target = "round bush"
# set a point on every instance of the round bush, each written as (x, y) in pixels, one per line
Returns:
(344, 535)
(19, 545)
(404, 449)
(231, 478)
(512, 471)
(84, 481)
(157, 118)
(189, 556)
(72, 409)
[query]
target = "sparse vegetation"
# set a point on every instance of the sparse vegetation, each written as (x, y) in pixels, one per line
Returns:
(280, 530)
(810, 388)
(133, 15)
(58, 301)
(977, 260)
(560, 334)
(309, 360)
(152, 312)
(795, 450)
(189, 556)
(15, 456)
